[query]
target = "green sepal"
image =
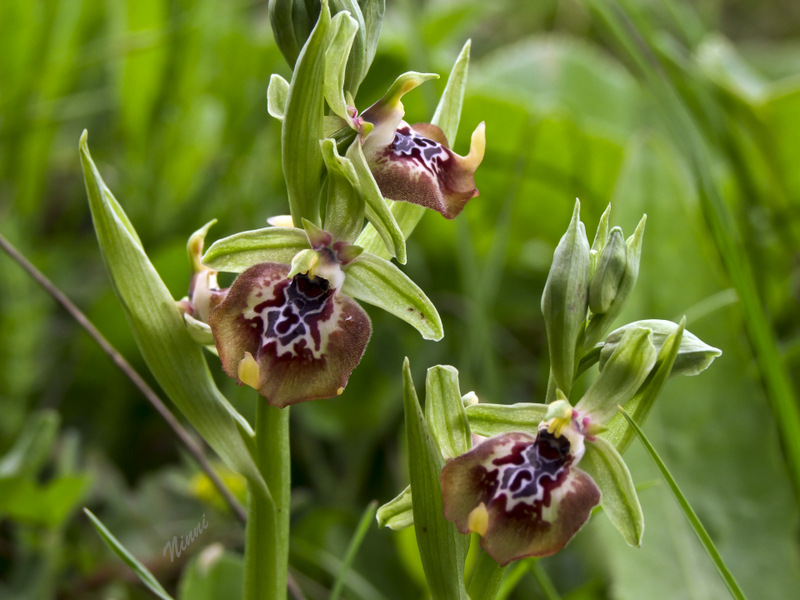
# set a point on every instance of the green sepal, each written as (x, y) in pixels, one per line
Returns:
(444, 412)
(174, 359)
(599, 324)
(144, 575)
(619, 500)
(565, 300)
(694, 355)
(441, 547)
(239, 252)
(199, 331)
(378, 282)
(345, 28)
(345, 208)
(600, 237)
(302, 126)
(618, 431)
(490, 420)
(277, 96)
(398, 513)
(447, 117)
(624, 373)
(32, 447)
(377, 209)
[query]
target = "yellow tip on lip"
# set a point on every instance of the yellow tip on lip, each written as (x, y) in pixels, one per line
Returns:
(478, 519)
(248, 371)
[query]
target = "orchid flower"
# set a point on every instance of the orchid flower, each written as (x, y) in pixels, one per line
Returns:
(414, 163)
(289, 325)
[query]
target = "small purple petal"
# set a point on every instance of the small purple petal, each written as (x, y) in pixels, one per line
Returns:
(305, 337)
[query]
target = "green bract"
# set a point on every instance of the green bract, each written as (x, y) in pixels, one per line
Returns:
(565, 299)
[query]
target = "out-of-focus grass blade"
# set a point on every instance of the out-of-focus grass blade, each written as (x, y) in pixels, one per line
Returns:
(129, 559)
(701, 532)
(352, 548)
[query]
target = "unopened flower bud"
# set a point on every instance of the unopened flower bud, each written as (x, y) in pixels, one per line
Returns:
(608, 276)
(694, 356)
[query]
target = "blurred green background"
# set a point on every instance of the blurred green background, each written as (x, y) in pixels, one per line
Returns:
(688, 111)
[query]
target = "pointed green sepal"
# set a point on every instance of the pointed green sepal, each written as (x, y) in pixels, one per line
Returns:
(344, 28)
(345, 208)
(377, 210)
(378, 282)
(565, 300)
(442, 549)
(619, 500)
(625, 371)
(490, 420)
(694, 355)
(398, 513)
(174, 359)
(444, 412)
(619, 432)
(601, 236)
(239, 252)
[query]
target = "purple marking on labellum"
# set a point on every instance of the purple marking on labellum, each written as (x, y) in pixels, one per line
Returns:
(427, 153)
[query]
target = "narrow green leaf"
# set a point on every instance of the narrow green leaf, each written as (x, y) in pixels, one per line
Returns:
(701, 532)
(277, 96)
(444, 412)
(173, 357)
(282, 17)
(345, 28)
(145, 576)
(303, 125)
(32, 446)
(380, 283)
(372, 11)
(495, 419)
(378, 212)
(241, 251)
(619, 501)
(440, 548)
(355, 57)
(398, 513)
(352, 549)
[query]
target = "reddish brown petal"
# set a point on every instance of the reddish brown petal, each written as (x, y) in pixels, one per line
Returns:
(306, 337)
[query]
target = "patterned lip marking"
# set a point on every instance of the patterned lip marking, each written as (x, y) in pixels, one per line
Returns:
(424, 152)
(529, 473)
(291, 317)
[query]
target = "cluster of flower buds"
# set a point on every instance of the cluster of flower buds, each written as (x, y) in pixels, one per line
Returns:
(527, 476)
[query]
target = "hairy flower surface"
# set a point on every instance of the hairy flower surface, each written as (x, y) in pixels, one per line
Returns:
(291, 336)
(522, 493)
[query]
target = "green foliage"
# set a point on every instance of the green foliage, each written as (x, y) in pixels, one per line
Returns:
(173, 95)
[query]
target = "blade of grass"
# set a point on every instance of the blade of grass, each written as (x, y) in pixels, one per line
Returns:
(701, 532)
(129, 559)
(352, 548)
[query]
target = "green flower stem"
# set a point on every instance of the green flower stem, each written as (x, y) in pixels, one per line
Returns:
(266, 555)
(486, 578)
(701, 532)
